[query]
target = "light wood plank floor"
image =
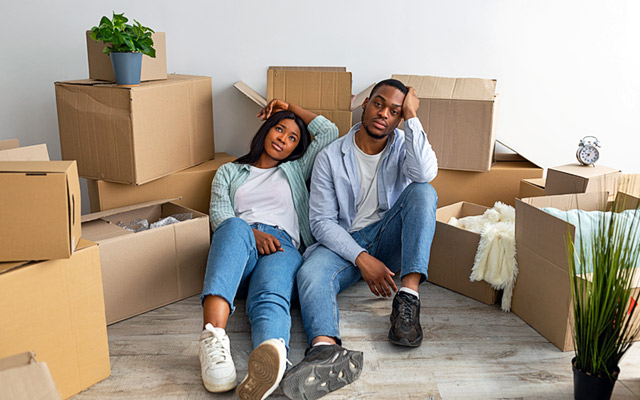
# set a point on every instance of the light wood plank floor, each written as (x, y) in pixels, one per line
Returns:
(470, 351)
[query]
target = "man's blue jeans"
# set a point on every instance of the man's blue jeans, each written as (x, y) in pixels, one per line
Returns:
(401, 240)
(235, 267)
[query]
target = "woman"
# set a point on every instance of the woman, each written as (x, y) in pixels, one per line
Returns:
(259, 213)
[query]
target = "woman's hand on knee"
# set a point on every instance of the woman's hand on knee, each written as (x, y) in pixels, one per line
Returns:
(265, 243)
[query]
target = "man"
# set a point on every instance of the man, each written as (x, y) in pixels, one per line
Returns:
(373, 213)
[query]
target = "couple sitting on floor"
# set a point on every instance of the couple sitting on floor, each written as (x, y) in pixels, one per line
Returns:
(372, 213)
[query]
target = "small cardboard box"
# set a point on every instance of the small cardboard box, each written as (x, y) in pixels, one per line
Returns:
(453, 251)
(55, 308)
(532, 187)
(322, 90)
(22, 377)
(136, 134)
(152, 68)
(148, 269)
(192, 185)
(458, 115)
(10, 150)
(542, 294)
(40, 213)
(501, 183)
(576, 178)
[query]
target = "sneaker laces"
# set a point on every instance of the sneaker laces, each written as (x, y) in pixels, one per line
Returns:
(406, 311)
(214, 346)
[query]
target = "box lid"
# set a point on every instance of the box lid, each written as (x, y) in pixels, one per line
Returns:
(435, 87)
(36, 166)
(250, 93)
(584, 171)
(114, 211)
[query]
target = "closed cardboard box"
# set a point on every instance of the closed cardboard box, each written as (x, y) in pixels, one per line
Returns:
(148, 269)
(22, 377)
(192, 185)
(152, 68)
(501, 183)
(136, 134)
(576, 178)
(40, 213)
(532, 187)
(453, 251)
(458, 115)
(55, 308)
(542, 294)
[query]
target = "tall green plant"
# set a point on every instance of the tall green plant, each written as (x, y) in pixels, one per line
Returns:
(602, 277)
(121, 37)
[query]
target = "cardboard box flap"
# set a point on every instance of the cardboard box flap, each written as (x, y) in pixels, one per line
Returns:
(171, 80)
(538, 182)
(9, 144)
(36, 166)
(250, 93)
(584, 171)
(584, 201)
(327, 69)
(359, 98)
(516, 152)
(108, 213)
(435, 87)
(37, 152)
(17, 360)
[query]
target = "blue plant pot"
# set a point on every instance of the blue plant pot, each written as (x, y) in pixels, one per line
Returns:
(127, 68)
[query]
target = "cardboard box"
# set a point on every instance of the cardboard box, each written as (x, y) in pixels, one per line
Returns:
(192, 185)
(136, 134)
(576, 178)
(532, 187)
(453, 251)
(10, 150)
(55, 308)
(322, 90)
(542, 294)
(149, 269)
(40, 213)
(152, 68)
(458, 115)
(22, 377)
(501, 183)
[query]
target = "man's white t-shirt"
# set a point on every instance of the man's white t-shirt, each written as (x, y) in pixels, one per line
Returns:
(367, 202)
(265, 197)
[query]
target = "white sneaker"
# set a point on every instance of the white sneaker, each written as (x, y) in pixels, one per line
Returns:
(216, 364)
(266, 366)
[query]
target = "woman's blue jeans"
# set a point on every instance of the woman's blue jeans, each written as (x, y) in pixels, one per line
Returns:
(235, 267)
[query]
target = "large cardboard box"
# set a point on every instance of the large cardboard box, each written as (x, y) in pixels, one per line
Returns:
(458, 115)
(542, 294)
(55, 308)
(40, 212)
(576, 178)
(453, 251)
(148, 269)
(192, 186)
(22, 377)
(152, 68)
(136, 134)
(322, 90)
(501, 183)
(532, 187)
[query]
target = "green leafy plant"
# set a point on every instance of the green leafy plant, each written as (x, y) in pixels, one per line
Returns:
(121, 37)
(602, 271)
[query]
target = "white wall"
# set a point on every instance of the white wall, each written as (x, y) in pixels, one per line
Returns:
(565, 69)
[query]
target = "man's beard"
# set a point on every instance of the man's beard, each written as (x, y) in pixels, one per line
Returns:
(374, 135)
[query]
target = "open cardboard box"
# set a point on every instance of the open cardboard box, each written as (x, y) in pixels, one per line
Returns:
(542, 293)
(136, 134)
(453, 251)
(22, 377)
(149, 269)
(55, 308)
(533, 187)
(191, 185)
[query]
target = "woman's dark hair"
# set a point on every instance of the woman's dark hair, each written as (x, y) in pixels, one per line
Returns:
(257, 143)
(390, 82)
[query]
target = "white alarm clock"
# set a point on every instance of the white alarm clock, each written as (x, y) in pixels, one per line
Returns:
(588, 152)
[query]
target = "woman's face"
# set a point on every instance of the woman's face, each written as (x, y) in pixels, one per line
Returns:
(282, 139)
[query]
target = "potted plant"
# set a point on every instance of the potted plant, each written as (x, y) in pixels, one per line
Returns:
(603, 260)
(125, 45)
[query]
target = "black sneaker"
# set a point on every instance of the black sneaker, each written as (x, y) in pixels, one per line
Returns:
(325, 368)
(405, 320)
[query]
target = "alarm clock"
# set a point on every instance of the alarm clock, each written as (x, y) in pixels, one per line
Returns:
(588, 153)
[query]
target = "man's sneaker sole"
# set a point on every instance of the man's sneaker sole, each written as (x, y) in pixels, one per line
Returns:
(312, 381)
(404, 341)
(264, 374)
(222, 387)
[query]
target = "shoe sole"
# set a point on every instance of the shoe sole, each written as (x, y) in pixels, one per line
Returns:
(263, 375)
(404, 341)
(312, 381)
(223, 387)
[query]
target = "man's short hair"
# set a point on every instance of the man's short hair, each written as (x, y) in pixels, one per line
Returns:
(390, 82)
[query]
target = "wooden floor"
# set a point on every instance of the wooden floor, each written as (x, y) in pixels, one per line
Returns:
(470, 351)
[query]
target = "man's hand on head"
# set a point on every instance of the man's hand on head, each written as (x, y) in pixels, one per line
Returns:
(376, 274)
(411, 104)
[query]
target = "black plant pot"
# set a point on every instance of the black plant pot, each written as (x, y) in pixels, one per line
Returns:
(591, 387)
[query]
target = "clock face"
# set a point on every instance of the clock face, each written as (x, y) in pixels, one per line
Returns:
(588, 155)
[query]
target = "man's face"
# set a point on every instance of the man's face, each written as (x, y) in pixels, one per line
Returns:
(382, 112)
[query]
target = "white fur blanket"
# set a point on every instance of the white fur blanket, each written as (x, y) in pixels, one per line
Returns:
(495, 260)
